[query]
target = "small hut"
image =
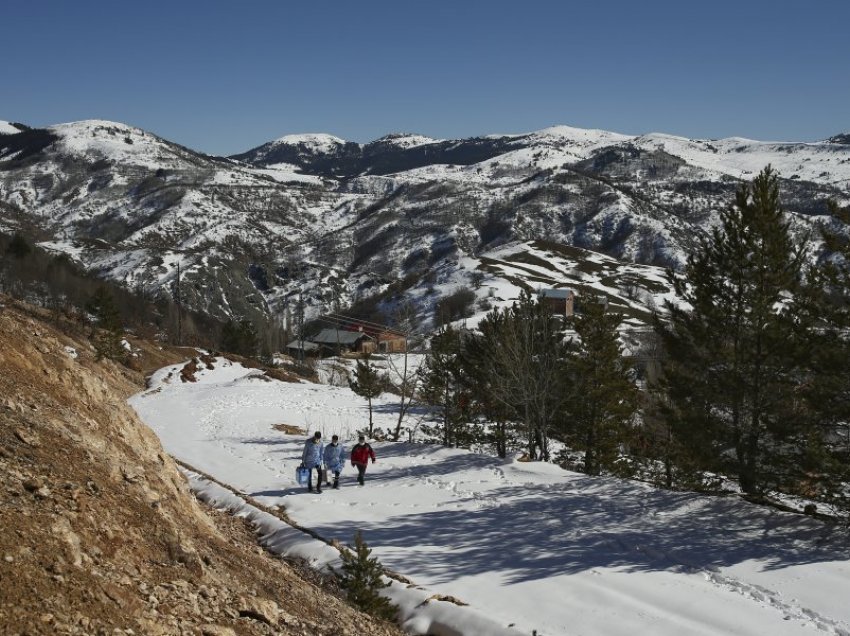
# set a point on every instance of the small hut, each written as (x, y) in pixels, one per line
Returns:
(341, 341)
(391, 342)
(297, 347)
(560, 301)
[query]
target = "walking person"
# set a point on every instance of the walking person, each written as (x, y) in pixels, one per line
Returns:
(334, 459)
(360, 455)
(312, 458)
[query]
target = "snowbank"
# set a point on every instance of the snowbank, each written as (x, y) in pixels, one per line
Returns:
(417, 614)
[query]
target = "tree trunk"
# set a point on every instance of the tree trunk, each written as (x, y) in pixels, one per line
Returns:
(447, 436)
(749, 478)
(590, 463)
(541, 440)
(501, 440)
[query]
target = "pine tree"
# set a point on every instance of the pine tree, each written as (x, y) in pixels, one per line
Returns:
(474, 361)
(361, 577)
(734, 353)
(19, 247)
(367, 383)
(823, 466)
(604, 396)
(107, 327)
(239, 337)
(523, 369)
(442, 388)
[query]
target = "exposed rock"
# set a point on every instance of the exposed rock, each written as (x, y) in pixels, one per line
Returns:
(444, 597)
(100, 534)
(62, 531)
(25, 437)
(216, 630)
(259, 610)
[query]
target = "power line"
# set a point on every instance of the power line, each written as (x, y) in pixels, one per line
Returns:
(342, 319)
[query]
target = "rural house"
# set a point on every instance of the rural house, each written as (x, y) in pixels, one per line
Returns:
(560, 301)
(391, 342)
(302, 348)
(338, 340)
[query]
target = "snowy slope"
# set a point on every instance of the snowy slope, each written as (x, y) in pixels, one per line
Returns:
(311, 142)
(342, 222)
(743, 158)
(525, 544)
(406, 140)
(150, 204)
(6, 128)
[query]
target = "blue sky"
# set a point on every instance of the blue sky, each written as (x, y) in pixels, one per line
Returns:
(223, 77)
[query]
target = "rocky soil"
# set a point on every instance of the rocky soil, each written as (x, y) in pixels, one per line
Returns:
(99, 533)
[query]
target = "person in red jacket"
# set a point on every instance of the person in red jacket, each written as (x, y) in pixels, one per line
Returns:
(360, 455)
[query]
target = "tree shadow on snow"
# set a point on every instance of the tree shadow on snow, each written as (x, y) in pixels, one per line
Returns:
(393, 408)
(577, 523)
(265, 441)
(283, 492)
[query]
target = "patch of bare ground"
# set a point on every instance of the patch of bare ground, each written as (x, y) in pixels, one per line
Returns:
(99, 533)
(289, 429)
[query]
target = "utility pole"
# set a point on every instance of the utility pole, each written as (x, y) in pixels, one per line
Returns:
(299, 317)
(179, 302)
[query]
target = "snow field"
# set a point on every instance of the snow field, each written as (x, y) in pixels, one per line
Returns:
(527, 545)
(418, 613)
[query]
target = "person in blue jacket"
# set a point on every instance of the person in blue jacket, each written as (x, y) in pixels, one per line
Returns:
(334, 459)
(312, 458)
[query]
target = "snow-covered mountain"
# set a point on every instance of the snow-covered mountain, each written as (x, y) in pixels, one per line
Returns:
(8, 128)
(405, 216)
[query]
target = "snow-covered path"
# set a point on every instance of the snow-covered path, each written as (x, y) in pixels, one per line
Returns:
(524, 543)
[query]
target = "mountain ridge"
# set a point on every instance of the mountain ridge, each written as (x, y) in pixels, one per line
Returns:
(331, 223)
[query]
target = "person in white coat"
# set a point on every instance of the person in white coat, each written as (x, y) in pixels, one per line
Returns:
(334, 459)
(312, 458)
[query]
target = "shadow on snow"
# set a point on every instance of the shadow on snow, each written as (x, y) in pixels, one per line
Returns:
(578, 523)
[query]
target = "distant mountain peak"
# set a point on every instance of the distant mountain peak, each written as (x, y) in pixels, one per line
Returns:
(406, 139)
(317, 142)
(843, 139)
(9, 128)
(91, 126)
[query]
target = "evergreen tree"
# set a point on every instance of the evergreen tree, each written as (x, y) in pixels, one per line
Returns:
(19, 247)
(107, 326)
(734, 350)
(367, 383)
(442, 388)
(652, 446)
(362, 578)
(604, 396)
(524, 368)
(239, 337)
(481, 391)
(823, 465)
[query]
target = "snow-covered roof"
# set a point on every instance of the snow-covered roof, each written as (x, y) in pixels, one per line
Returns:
(338, 336)
(306, 345)
(556, 293)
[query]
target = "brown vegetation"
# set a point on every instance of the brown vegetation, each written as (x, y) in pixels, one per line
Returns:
(99, 531)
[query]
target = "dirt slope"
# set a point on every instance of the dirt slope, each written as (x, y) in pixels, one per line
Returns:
(98, 532)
